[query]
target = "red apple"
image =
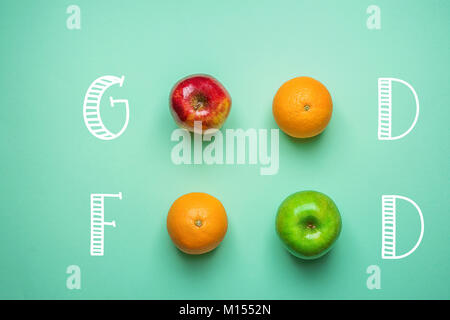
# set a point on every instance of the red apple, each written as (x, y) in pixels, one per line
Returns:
(200, 98)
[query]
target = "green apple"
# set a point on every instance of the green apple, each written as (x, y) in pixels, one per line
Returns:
(308, 223)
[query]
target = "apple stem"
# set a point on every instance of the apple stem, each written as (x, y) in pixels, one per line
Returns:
(198, 105)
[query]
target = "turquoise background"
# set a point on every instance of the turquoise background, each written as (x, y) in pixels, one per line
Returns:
(50, 163)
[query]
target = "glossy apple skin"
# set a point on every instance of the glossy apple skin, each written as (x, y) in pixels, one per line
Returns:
(308, 223)
(200, 98)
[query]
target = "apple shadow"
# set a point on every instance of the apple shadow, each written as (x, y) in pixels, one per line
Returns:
(313, 268)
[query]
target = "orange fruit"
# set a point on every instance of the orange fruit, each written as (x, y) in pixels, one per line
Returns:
(197, 223)
(302, 107)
